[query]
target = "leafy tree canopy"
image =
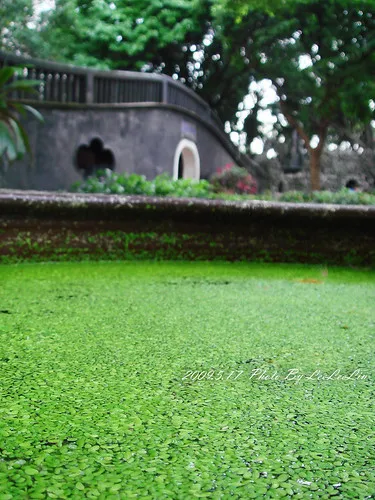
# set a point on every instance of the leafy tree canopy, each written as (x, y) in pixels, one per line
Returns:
(136, 34)
(320, 58)
(14, 18)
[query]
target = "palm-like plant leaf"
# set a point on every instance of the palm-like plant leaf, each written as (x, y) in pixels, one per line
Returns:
(22, 85)
(5, 75)
(7, 142)
(33, 111)
(18, 107)
(14, 142)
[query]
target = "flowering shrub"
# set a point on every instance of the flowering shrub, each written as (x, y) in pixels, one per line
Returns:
(233, 179)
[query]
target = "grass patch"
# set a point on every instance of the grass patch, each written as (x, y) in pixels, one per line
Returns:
(100, 396)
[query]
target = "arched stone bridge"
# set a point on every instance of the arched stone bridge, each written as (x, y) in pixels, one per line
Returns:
(128, 121)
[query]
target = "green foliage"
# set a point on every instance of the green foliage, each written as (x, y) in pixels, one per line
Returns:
(97, 400)
(343, 197)
(234, 179)
(106, 181)
(125, 35)
(14, 142)
(319, 57)
(231, 183)
(14, 18)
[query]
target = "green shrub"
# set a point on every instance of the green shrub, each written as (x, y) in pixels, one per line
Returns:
(343, 197)
(294, 197)
(106, 181)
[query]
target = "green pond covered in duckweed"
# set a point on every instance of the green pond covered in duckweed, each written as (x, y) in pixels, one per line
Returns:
(186, 380)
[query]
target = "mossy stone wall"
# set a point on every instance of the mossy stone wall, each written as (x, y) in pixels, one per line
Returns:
(63, 226)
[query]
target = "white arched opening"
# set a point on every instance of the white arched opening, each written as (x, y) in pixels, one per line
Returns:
(186, 164)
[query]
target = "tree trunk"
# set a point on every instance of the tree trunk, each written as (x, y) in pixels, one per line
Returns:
(315, 154)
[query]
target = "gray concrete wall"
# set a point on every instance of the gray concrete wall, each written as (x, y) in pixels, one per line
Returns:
(143, 140)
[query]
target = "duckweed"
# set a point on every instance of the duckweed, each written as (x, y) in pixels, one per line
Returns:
(186, 380)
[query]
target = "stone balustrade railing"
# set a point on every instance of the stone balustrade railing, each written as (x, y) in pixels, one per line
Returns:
(63, 83)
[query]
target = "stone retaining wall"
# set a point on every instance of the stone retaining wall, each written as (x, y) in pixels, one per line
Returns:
(64, 226)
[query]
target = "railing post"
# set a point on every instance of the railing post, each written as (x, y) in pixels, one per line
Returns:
(89, 87)
(164, 97)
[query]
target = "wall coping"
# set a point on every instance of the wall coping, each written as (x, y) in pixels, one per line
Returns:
(50, 203)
